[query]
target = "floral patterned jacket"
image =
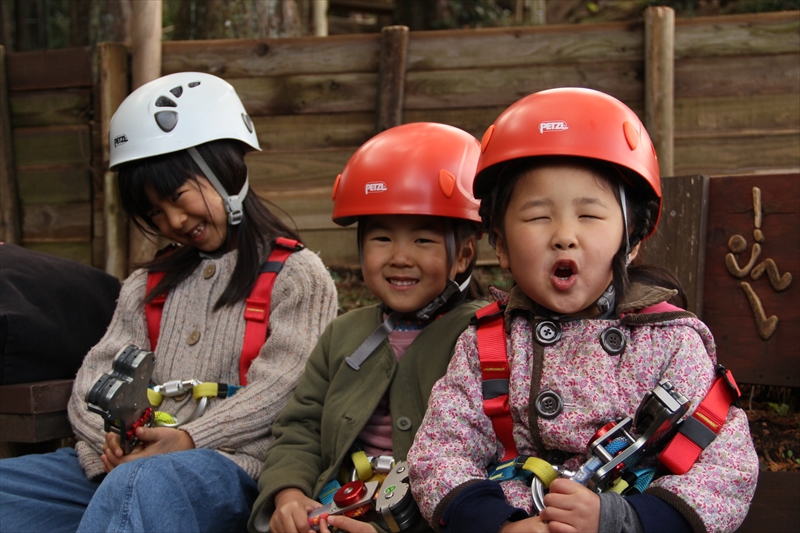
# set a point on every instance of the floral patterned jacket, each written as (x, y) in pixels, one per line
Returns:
(457, 443)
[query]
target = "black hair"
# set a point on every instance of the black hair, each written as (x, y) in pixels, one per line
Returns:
(641, 203)
(164, 174)
(464, 230)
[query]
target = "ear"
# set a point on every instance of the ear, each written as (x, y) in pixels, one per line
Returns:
(465, 255)
(501, 251)
(634, 253)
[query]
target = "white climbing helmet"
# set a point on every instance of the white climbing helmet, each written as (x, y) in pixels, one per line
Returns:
(176, 112)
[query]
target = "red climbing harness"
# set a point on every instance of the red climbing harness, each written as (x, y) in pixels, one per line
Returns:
(256, 310)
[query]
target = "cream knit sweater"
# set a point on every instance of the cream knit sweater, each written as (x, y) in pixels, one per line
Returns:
(303, 301)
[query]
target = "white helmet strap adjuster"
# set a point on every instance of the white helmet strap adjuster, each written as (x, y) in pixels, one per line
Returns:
(233, 203)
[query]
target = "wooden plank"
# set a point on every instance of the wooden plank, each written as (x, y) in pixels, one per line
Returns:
(391, 77)
(56, 145)
(65, 222)
(774, 503)
(659, 83)
(679, 244)
(54, 184)
(762, 33)
(287, 171)
(34, 398)
(721, 115)
(76, 251)
(736, 154)
(727, 311)
(474, 120)
(311, 132)
(65, 107)
(50, 69)
(333, 93)
(113, 89)
(35, 428)
(245, 58)
(723, 76)
(10, 217)
(492, 87)
(525, 46)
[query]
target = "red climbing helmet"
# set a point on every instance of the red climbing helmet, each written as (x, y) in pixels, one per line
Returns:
(421, 168)
(569, 122)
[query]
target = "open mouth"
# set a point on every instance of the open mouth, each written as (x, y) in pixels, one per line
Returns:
(563, 276)
(196, 232)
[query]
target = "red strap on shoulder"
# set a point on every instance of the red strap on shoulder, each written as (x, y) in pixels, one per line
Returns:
(700, 429)
(154, 309)
(256, 309)
(494, 366)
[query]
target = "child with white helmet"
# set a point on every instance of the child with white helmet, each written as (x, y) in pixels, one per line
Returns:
(542, 389)
(236, 303)
(366, 385)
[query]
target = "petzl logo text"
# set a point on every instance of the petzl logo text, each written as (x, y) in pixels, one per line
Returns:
(122, 139)
(553, 125)
(375, 186)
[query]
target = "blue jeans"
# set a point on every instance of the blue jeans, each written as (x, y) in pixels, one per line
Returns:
(195, 490)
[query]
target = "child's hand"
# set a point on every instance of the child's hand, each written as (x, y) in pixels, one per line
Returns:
(346, 524)
(571, 507)
(291, 512)
(533, 524)
(154, 441)
(112, 452)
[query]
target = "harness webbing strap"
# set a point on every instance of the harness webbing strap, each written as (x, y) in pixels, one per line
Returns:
(494, 369)
(699, 430)
(256, 309)
(154, 309)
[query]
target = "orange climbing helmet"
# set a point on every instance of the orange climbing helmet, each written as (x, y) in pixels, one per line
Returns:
(420, 168)
(569, 122)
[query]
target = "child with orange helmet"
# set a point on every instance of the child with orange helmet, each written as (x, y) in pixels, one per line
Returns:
(569, 187)
(366, 385)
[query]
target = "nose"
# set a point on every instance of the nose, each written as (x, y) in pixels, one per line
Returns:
(564, 237)
(175, 218)
(400, 255)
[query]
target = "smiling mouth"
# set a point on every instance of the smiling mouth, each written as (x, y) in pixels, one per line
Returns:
(402, 282)
(195, 233)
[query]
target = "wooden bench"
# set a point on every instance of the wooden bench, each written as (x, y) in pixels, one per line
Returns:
(34, 414)
(706, 236)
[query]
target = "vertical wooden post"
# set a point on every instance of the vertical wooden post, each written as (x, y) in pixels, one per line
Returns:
(538, 12)
(320, 12)
(659, 83)
(145, 66)
(113, 89)
(11, 222)
(391, 76)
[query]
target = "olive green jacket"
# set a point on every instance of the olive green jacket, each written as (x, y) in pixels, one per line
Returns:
(333, 402)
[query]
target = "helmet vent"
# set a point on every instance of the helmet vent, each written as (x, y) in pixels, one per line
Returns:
(166, 120)
(247, 122)
(177, 91)
(447, 182)
(631, 134)
(163, 101)
(194, 84)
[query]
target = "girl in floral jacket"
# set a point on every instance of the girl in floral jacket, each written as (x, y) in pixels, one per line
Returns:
(569, 187)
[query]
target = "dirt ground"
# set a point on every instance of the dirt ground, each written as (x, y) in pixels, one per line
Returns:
(772, 411)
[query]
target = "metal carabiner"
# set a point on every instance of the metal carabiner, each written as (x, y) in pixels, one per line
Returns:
(178, 390)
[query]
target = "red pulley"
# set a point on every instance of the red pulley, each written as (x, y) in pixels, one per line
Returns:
(350, 493)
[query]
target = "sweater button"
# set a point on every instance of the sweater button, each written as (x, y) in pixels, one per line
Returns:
(547, 332)
(193, 338)
(548, 404)
(613, 341)
(209, 270)
(403, 423)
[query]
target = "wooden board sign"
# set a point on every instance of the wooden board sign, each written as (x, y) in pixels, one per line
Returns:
(752, 280)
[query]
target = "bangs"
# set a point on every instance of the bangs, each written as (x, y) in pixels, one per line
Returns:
(162, 174)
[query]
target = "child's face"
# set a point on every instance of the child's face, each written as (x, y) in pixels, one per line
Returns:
(404, 259)
(563, 227)
(193, 216)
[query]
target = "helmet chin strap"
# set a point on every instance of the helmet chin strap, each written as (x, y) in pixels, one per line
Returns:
(233, 204)
(624, 203)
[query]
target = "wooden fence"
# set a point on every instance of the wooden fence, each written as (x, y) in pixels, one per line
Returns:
(315, 100)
